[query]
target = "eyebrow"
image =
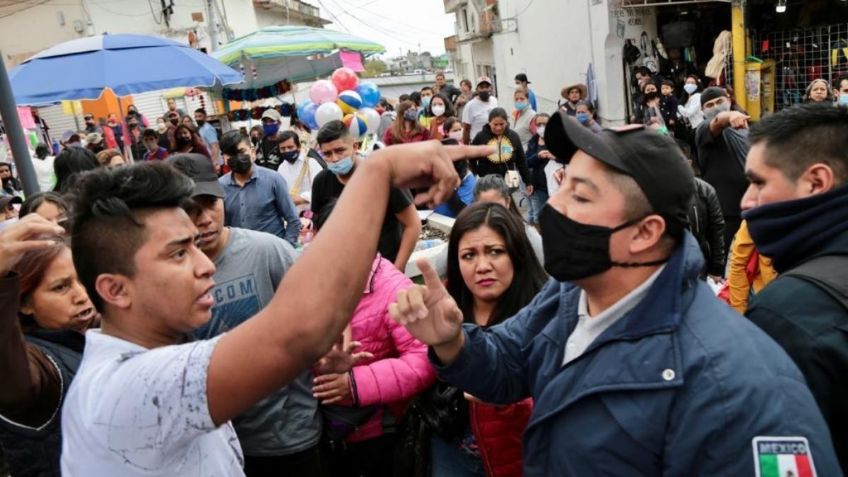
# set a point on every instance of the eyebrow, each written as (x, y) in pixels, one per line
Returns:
(752, 176)
(586, 182)
(183, 241)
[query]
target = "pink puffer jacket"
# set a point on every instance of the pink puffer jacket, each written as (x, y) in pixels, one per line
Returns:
(399, 369)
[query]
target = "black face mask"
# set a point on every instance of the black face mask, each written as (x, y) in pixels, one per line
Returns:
(239, 164)
(574, 251)
(175, 121)
(182, 142)
(200, 122)
(255, 140)
(290, 156)
(484, 95)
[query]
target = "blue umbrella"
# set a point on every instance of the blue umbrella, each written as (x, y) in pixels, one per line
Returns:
(126, 64)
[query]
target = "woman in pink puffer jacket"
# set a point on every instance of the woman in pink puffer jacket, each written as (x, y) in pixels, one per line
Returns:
(394, 373)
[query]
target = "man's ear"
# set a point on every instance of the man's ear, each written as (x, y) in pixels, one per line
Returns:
(648, 234)
(114, 290)
(817, 179)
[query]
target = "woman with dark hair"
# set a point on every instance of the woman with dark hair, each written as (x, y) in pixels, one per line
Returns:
(49, 205)
(440, 109)
(453, 129)
(690, 108)
(132, 112)
(492, 188)
(406, 128)
(44, 311)
(187, 140)
(491, 273)
(508, 160)
(68, 164)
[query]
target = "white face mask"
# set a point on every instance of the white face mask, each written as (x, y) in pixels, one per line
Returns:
(690, 88)
(455, 135)
(540, 130)
(438, 110)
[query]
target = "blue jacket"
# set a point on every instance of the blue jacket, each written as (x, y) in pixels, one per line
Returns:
(679, 386)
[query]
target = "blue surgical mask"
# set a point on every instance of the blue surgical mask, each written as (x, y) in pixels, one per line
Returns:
(690, 88)
(270, 129)
(583, 118)
(843, 99)
(341, 167)
(425, 101)
(520, 105)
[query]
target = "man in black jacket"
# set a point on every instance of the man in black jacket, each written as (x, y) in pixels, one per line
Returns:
(706, 222)
(797, 213)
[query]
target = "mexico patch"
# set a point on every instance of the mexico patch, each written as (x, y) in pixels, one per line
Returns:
(783, 457)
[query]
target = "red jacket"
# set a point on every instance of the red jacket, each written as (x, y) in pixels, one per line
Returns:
(498, 430)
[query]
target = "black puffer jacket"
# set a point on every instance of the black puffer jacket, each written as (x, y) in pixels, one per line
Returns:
(706, 223)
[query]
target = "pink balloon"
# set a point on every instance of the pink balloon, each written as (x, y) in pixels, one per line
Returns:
(323, 91)
(345, 79)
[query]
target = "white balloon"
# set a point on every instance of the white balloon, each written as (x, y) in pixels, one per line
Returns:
(372, 119)
(327, 112)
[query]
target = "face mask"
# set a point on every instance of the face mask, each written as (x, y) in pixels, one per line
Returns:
(255, 140)
(290, 156)
(690, 88)
(540, 130)
(200, 122)
(341, 167)
(711, 113)
(484, 95)
(181, 141)
(239, 164)
(520, 105)
(270, 129)
(438, 110)
(410, 115)
(583, 118)
(843, 99)
(175, 121)
(455, 135)
(574, 251)
(425, 101)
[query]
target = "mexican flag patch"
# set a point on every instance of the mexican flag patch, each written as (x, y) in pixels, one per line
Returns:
(783, 457)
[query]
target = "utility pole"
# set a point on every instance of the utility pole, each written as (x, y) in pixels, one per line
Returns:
(17, 139)
(211, 26)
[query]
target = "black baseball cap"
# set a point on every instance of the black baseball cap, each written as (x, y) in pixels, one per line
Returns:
(652, 159)
(199, 169)
(522, 77)
(7, 200)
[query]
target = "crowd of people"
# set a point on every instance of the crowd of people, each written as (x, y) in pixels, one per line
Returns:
(661, 298)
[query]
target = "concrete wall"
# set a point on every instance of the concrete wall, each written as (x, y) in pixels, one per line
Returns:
(554, 41)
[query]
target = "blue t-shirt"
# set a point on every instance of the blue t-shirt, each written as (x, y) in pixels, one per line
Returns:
(465, 193)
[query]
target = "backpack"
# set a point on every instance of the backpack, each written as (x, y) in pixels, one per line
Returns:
(826, 272)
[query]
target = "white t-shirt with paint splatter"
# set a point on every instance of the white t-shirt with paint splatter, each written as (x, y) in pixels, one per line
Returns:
(132, 411)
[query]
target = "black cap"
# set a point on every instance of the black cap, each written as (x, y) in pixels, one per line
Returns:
(522, 77)
(712, 93)
(653, 160)
(200, 170)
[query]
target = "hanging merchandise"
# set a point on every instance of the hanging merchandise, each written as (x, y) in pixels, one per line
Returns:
(285, 110)
(648, 59)
(721, 48)
(271, 91)
(631, 52)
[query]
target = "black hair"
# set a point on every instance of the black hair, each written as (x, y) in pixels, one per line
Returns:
(33, 202)
(230, 141)
(284, 136)
(449, 109)
(386, 104)
(42, 150)
(6, 165)
(69, 164)
(449, 122)
(798, 137)
(150, 133)
(667, 82)
(642, 70)
(331, 131)
(495, 182)
(427, 88)
(108, 218)
(201, 111)
(838, 84)
(499, 113)
(403, 97)
(528, 275)
(685, 97)
(415, 97)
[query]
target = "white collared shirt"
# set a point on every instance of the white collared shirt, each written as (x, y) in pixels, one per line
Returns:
(291, 172)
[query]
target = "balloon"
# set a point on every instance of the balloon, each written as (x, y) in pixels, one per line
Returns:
(327, 112)
(372, 119)
(349, 101)
(356, 124)
(307, 114)
(323, 91)
(369, 93)
(344, 79)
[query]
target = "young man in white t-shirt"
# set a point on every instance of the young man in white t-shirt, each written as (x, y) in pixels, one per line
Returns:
(297, 168)
(146, 403)
(475, 115)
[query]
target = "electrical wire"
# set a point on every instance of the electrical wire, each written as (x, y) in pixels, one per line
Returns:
(119, 14)
(25, 7)
(333, 16)
(158, 21)
(384, 30)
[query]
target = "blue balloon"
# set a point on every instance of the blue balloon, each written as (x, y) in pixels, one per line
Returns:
(307, 114)
(369, 93)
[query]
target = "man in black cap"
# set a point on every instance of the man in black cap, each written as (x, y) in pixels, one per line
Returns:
(722, 141)
(521, 81)
(283, 430)
(634, 367)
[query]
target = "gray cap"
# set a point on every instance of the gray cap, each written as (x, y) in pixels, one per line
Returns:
(199, 169)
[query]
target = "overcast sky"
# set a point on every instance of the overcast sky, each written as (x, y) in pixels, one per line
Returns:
(395, 24)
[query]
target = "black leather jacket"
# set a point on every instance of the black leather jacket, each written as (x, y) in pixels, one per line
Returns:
(706, 223)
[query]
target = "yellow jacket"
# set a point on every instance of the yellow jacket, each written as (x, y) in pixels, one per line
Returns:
(738, 280)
